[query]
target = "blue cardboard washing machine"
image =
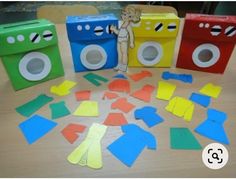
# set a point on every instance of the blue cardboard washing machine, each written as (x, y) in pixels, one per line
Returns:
(92, 44)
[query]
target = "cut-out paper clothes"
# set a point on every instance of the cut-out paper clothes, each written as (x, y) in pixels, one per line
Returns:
(87, 108)
(148, 115)
(120, 76)
(36, 127)
(70, 132)
(34, 105)
(95, 79)
(82, 95)
(181, 107)
(128, 147)
(165, 90)
(211, 90)
(109, 95)
(123, 105)
(139, 76)
(63, 89)
(213, 126)
(119, 85)
(144, 93)
(89, 153)
(200, 99)
(115, 119)
(183, 139)
(59, 110)
(186, 78)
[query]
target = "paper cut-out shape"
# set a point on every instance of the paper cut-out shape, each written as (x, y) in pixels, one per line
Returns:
(182, 138)
(148, 115)
(181, 107)
(95, 79)
(87, 108)
(119, 85)
(123, 105)
(59, 110)
(110, 95)
(165, 90)
(139, 76)
(89, 153)
(115, 119)
(186, 78)
(82, 95)
(211, 90)
(213, 126)
(36, 127)
(144, 93)
(34, 105)
(200, 99)
(120, 76)
(70, 132)
(63, 89)
(128, 147)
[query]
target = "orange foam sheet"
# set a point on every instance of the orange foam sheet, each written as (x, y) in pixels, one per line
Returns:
(123, 105)
(139, 76)
(109, 95)
(82, 95)
(144, 93)
(119, 85)
(71, 130)
(115, 119)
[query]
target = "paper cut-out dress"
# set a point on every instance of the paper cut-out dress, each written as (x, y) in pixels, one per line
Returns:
(89, 151)
(128, 147)
(212, 127)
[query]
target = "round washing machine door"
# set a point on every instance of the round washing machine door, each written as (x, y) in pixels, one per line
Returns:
(35, 66)
(150, 53)
(93, 57)
(206, 55)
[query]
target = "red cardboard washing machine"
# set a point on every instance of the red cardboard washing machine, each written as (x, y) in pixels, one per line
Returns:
(207, 42)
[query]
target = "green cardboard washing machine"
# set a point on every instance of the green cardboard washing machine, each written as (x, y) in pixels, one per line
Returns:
(29, 52)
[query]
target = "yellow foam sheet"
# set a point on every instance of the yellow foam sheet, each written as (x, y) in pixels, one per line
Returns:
(87, 108)
(165, 90)
(89, 151)
(63, 89)
(181, 107)
(211, 90)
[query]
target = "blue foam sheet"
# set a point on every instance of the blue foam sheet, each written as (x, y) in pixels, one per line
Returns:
(200, 99)
(186, 78)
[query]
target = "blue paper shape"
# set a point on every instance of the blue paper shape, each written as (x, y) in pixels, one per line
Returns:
(129, 146)
(200, 99)
(36, 127)
(186, 78)
(148, 115)
(120, 76)
(212, 127)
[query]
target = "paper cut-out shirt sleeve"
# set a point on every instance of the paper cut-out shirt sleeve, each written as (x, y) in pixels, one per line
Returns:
(151, 141)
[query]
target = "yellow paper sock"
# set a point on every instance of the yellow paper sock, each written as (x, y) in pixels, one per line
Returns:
(211, 90)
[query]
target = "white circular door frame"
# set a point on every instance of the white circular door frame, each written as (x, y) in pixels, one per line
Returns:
(207, 46)
(27, 58)
(156, 60)
(85, 62)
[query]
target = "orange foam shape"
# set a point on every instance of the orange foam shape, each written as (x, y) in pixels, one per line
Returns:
(145, 93)
(115, 119)
(110, 95)
(123, 105)
(82, 95)
(140, 75)
(119, 85)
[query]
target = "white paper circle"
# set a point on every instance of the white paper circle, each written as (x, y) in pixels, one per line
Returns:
(215, 55)
(27, 59)
(158, 57)
(101, 54)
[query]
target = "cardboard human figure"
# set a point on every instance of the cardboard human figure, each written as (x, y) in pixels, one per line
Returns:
(125, 36)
